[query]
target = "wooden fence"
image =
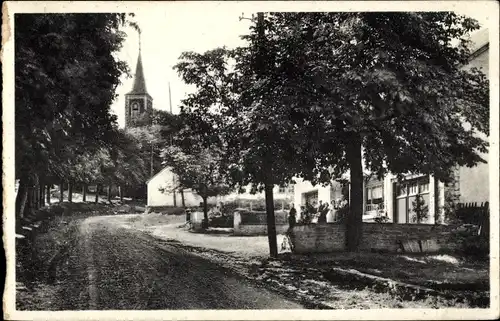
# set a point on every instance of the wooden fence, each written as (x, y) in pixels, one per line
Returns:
(475, 213)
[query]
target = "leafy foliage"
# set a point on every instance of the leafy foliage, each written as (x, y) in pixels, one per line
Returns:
(198, 168)
(66, 74)
(420, 210)
(326, 93)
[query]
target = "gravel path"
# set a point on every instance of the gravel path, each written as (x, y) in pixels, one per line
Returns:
(119, 268)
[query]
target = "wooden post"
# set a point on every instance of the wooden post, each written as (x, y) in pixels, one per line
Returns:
(42, 195)
(84, 192)
(48, 194)
(97, 193)
(109, 193)
(70, 192)
(36, 197)
(61, 190)
(121, 193)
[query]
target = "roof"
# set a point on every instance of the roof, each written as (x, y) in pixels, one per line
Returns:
(479, 42)
(160, 172)
(139, 87)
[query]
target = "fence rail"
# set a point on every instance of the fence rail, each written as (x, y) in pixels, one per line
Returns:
(475, 213)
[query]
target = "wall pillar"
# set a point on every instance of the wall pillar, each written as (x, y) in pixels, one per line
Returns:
(389, 196)
(432, 200)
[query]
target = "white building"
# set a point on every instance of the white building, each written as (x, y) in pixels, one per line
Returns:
(162, 192)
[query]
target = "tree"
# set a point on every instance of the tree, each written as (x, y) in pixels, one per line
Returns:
(331, 93)
(65, 78)
(231, 107)
(383, 90)
(200, 169)
(420, 209)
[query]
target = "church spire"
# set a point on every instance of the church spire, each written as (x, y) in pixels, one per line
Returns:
(139, 80)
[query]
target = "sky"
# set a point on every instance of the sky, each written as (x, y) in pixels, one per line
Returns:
(168, 31)
(165, 35)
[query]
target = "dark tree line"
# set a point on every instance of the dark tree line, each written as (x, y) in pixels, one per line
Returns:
(66, 76)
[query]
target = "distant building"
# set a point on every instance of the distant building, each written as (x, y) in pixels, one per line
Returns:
(163, 192)
(138, 103)
(388, 197)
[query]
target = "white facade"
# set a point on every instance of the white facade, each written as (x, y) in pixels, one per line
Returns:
(474, 181)
(386, 197)
(160, 193)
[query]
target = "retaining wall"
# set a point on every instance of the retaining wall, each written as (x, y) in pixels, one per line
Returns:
(376, 237)
(196, 219)
(252, 223)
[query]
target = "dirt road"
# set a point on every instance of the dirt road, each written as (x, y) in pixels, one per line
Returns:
(113, 267)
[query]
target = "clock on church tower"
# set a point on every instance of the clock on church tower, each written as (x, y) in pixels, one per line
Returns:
(138, 103)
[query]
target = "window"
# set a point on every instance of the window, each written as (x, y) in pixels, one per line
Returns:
(374, 198)
(135, 110)
(291, 189)
(406, 193)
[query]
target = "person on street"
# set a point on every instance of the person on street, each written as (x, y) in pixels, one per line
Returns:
(323, 211)
(292, 217)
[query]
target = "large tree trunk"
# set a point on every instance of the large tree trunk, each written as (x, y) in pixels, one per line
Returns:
(271, 222)
(182, 198)
(84, 192)
(70, 192)
(355, 216)
(97, 193)
(48, 194)
(61, 190)
(21, 197)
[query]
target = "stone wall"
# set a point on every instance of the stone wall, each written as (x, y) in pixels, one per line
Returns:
(196, 219)
(318, 238)
(254, 230)
(376, 237)
(244, 226)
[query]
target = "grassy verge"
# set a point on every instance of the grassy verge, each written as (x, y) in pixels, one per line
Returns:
(46, 255)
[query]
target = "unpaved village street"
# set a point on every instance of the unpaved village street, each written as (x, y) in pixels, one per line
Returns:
(117, 268)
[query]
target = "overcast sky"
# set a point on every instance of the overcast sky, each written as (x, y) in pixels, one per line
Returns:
(167, 31)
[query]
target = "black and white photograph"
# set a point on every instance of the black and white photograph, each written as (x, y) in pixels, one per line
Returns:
(249, 160)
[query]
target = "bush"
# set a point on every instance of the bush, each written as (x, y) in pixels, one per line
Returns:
(470, 244)
(381, 219)
(221, 221)
(167, 210)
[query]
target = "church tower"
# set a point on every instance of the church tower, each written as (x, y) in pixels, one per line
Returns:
(138, 103)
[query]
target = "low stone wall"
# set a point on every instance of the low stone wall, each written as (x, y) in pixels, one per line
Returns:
(318, 238)
(254, 230)
(387, 237)
(243, 226)
(196, 219)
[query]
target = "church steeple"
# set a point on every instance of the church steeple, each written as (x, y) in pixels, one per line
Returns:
(138, 103)
(139, 80)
